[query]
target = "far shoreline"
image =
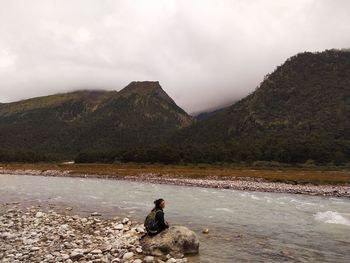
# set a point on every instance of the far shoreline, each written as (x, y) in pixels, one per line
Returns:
(244, 183)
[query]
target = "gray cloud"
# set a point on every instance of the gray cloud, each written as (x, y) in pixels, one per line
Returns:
(204, 53)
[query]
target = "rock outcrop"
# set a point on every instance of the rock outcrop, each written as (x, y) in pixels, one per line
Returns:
(176, 241)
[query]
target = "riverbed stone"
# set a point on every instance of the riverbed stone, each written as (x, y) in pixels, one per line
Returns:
(148, 259)
(34, 248)
(205, 231)
(96, 251)
(140, 229)
(128, 255)
(119, 227)
(106, 247)
(176, 241)
(76, 254)
(54, 237)
(39, 214)
(95, 214)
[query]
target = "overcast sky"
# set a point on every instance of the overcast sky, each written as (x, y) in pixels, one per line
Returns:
(204, 53)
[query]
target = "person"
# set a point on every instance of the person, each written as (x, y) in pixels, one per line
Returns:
(154, 222)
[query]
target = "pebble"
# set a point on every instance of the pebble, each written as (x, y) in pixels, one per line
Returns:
(96, 251)
(39, 215)
(37, 236)
(95, 214)
(148, 259)
(119, 227)
(75, 255)
(128, 255)
(140, 229)
(106, 248)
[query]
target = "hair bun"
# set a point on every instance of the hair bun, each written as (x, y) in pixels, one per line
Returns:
(158, 202)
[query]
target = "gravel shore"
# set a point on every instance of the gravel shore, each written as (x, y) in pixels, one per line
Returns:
(246, 184)
(32, 235)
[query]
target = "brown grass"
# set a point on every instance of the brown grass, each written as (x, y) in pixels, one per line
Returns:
(315, 176)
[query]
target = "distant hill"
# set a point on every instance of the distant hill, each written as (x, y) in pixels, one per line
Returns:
(300, 111)
(140, 114)
(206, 114)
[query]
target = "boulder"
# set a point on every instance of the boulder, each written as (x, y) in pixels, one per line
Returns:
(176, 241)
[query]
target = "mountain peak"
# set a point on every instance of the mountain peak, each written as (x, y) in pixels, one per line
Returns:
(141, 87)
(145, 88)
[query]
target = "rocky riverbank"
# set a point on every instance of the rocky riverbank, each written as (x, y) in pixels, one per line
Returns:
(245, 184)
(33, 235)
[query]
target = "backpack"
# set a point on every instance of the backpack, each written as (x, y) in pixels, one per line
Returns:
(151, 223)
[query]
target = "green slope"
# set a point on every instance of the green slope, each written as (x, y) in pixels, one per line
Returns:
(141, 114)
(301, 111)
(90, 120)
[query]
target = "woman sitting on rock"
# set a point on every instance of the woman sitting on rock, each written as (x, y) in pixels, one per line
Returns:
(154, 222)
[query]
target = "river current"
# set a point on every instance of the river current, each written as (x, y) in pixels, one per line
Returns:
(243, 226)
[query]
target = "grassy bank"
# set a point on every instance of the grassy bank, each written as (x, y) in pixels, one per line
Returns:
(293, 175)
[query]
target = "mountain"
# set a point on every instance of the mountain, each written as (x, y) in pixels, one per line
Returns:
(206, 114)
(140, 114)
(300, 111)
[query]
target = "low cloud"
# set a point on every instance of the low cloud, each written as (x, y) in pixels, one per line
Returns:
(204, 53)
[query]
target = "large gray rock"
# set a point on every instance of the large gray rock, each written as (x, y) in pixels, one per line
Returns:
(176, 241)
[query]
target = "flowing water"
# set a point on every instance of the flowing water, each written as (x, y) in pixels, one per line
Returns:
(244, 226)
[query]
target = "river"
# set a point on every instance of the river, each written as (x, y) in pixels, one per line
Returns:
(243, 226)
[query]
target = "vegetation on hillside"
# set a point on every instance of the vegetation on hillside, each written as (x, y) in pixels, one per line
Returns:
(66, 124)
(300, 113)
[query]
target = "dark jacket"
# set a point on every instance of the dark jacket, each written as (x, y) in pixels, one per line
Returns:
(161, 224)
